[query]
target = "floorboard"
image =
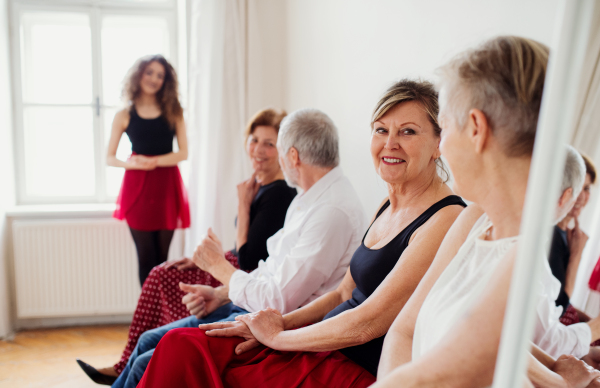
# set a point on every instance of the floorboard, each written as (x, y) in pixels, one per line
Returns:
(46, 358)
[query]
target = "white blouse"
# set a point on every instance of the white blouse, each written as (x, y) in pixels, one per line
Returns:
(466, 278)
(459, 287)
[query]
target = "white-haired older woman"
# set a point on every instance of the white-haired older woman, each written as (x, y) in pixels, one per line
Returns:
(342, 344)
(449, 331)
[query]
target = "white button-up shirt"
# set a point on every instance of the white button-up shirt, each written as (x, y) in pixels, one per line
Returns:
(551, 335)
(309, 256)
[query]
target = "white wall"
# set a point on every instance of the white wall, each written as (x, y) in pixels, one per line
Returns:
(7, 192)
(342, 55)
(266, 54)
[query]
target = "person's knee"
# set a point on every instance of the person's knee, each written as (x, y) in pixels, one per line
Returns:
(140, 364)
(180, 339)
(148, 340)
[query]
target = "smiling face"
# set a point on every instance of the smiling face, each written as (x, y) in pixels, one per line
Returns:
(153, 78)
(262, 150)
(404, 144)
(583, 198)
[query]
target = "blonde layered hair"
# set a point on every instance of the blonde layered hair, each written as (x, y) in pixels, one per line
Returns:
(504, 78)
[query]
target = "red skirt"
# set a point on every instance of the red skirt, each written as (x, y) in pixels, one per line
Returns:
(160, 301)
(153, 200)
(189, 358)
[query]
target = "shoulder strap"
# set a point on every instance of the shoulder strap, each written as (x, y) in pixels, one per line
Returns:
(427, 214)
(382, 209)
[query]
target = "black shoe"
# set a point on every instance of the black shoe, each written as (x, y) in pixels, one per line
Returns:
(96, 376)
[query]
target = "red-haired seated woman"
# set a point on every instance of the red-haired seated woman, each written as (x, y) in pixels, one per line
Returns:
(263, 201)
(343, 345)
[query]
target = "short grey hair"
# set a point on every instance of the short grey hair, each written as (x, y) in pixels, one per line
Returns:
(574, 173)
(504, 78)
(313, 134)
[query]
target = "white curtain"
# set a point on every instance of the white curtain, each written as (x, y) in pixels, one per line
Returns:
(586, 138)
(217, 101)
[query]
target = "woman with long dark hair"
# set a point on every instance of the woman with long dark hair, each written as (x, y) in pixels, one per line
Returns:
(153, 199)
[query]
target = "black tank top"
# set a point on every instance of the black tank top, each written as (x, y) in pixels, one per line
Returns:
(149, 136)
(369, 267)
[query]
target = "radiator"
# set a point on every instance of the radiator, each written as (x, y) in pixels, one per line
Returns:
(75, 267)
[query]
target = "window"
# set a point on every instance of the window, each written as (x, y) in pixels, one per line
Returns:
(69, 63)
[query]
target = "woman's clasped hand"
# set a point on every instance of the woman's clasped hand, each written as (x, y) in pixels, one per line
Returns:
(262, 326)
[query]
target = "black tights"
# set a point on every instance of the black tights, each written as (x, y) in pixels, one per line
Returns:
(152, 249)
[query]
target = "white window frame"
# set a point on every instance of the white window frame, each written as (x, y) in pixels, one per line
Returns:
(96, 9)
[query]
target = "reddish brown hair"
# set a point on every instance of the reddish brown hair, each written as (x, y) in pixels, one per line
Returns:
(268, 116)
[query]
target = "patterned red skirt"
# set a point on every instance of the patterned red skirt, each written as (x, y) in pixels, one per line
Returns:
(153, 200)
(160, 301)
(189, 358)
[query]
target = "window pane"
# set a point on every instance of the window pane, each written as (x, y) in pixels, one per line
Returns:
(59, 151)
(124, 40)
(56, 60)
(114, 175)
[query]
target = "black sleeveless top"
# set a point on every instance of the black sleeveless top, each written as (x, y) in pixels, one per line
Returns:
(369, 267)
(149, 136)
(267, 216)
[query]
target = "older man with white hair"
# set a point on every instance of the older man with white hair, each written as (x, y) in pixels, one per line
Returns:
(308, 257)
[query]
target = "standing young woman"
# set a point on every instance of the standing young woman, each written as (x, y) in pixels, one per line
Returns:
(153, 199)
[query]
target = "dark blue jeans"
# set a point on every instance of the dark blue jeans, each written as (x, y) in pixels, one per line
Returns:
(141, 355)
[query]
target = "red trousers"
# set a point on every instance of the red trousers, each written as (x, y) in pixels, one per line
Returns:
(189, 358)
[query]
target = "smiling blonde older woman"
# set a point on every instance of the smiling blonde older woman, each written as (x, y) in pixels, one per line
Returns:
(449, 332)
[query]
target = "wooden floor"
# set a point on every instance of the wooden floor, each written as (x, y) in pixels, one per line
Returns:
(46, 358)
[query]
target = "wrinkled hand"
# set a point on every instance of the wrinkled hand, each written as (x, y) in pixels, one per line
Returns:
(141, 162)
(594, 384)
(181, 264)
(265, 325)
(200, 300)
(593, 357)
(209, 253)
(576, 239)
(232, 329)
(576, 373)
(247, 191)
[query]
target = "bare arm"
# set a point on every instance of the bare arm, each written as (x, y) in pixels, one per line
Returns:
(172, 158)
(246, 190)
(119, 125)
(318, 308)
(397, 348)
(577, 240)
(372, 318)
(466, 358)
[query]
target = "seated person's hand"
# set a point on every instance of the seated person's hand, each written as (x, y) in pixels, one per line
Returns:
(265, 325)
(232, 329)
(200, 300)
(594, 384)
(576, 373)
(181, 264)
(593, 357)
(210, 252)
